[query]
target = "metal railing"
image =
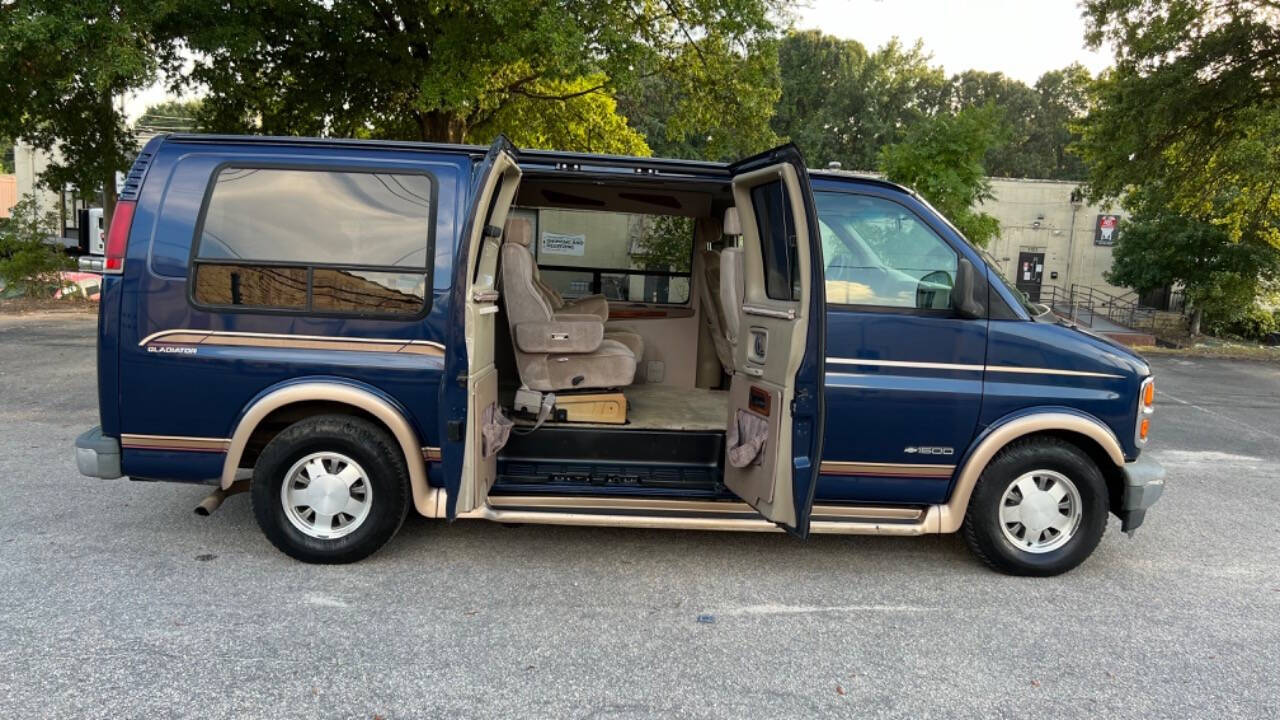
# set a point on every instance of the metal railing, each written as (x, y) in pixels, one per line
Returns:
(1084, 305)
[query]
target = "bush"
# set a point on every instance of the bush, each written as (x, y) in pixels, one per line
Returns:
(1256, 323)
(28, 261)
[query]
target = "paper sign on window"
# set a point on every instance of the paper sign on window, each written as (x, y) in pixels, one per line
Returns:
(563, 244)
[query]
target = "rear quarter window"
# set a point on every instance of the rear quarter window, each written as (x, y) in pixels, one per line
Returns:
(320, 241)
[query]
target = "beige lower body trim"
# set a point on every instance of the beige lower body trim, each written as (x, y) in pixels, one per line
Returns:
(181, 443)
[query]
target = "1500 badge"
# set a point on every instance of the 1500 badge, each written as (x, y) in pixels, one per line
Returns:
(913, 450)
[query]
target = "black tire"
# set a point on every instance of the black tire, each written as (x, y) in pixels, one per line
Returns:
(371, 447)
(982, 528)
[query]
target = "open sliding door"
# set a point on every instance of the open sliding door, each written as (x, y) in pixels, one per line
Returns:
(469, 391)
(776, 394)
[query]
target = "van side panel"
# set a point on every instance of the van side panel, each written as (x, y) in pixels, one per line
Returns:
(194, 385)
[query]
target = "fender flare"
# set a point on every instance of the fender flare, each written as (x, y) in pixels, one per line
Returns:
(339, 392)
(950, 515)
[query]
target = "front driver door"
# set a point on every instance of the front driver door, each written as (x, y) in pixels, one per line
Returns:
(776, 394)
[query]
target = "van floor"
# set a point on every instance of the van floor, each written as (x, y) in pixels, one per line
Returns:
(664, 407)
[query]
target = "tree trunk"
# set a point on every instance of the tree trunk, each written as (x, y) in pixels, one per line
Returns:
(108, 198)
(1196, 315)
(108, 143)
(439, 126)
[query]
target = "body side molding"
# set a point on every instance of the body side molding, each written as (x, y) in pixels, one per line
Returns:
(330, 391)
(950, 514)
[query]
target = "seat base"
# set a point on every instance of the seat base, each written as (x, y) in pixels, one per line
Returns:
(609, 408)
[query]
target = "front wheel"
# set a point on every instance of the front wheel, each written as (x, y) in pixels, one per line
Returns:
(330, 489)
(1039, 508)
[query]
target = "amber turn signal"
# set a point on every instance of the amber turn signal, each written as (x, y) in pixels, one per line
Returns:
(1142, 429)
(1149, 395)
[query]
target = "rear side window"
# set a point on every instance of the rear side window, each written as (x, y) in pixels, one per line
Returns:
(315, 241)
(778, 240)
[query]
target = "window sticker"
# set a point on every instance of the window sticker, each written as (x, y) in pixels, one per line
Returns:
(563, 244)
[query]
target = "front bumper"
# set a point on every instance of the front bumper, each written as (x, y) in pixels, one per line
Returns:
(98, 455)
(1143, 485)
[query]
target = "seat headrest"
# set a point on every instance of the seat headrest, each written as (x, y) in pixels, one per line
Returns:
(732, 226)
(519, 231)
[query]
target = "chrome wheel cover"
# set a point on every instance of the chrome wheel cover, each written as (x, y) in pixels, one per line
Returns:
(1040, 511)
(326, 495)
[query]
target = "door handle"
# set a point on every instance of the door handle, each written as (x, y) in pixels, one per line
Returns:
(788, 314)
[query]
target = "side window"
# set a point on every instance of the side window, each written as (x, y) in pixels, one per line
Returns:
(318, 241)
(625, 256)
(777, 226)
(878, 253)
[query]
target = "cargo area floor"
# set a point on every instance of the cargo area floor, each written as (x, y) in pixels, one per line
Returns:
(663, 407)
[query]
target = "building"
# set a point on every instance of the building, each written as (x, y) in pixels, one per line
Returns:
(1050, 236)
(28, 163)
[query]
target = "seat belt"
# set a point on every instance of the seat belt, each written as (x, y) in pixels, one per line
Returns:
(544, 411)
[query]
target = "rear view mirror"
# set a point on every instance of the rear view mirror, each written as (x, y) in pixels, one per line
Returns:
(968, 294)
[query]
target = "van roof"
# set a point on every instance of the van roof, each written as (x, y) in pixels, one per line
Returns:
(549, 157)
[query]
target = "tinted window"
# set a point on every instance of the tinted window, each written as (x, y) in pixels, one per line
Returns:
(876, 252)
(778, 240)
(317, 217)
(630, 257)
(325, 241)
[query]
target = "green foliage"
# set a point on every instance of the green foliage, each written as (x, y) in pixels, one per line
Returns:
(665, 242)
(28, 260)
(1192, 107)
(63, 64)
(588, 122)
(841, 103)
(1255, 323)
(436, 71)
(1157, 247)
(169, 116)
(6, 155)
(1036, 122)
(941, 159)
(665, 110)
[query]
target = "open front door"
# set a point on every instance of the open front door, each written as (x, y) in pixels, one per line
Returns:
(469, 391)
(776, 394)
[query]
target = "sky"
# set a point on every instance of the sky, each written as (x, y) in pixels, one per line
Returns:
(1021, 38)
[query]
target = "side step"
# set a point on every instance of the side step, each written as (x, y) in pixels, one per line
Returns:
(699, 515)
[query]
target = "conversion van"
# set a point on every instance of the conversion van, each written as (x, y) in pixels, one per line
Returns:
(354, 330)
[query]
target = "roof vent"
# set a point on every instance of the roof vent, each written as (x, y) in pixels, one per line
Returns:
(133, 181)
(834, 165)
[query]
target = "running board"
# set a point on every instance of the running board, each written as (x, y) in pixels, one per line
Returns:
(699, 515)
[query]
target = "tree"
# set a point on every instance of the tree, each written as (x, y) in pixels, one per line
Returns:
(64, 64)
(438, 71)
(1018, 106)
(28, 260)
(841, 103)
(169, 116)
(579, 123)
(1064, 102)
(1158, 248)
(1192, 106)
(941, 158)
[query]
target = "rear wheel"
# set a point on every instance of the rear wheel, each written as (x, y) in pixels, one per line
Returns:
(330, 489)
(1040, 508)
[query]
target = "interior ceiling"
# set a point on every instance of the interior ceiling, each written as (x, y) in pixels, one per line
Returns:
(690, 199)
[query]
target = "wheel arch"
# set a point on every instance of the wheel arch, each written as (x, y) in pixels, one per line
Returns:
(1085, 431)
(328, 395)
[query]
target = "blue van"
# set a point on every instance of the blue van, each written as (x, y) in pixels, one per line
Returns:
(352, 329)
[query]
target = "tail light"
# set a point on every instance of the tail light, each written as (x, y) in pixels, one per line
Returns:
(1146, 406)
(118, 237)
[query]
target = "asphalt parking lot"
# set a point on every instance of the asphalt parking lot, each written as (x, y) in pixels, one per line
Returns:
(117, 601)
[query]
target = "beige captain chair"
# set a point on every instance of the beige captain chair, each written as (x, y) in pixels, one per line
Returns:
(557, 350)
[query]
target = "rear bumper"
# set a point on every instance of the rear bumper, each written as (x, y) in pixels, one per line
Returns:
(1143, 485)
(98, 455)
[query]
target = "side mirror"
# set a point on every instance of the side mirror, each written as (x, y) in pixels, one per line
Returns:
(969, 291)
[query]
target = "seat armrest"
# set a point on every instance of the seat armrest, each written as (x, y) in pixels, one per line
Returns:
(595, 305)
(565, 334)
